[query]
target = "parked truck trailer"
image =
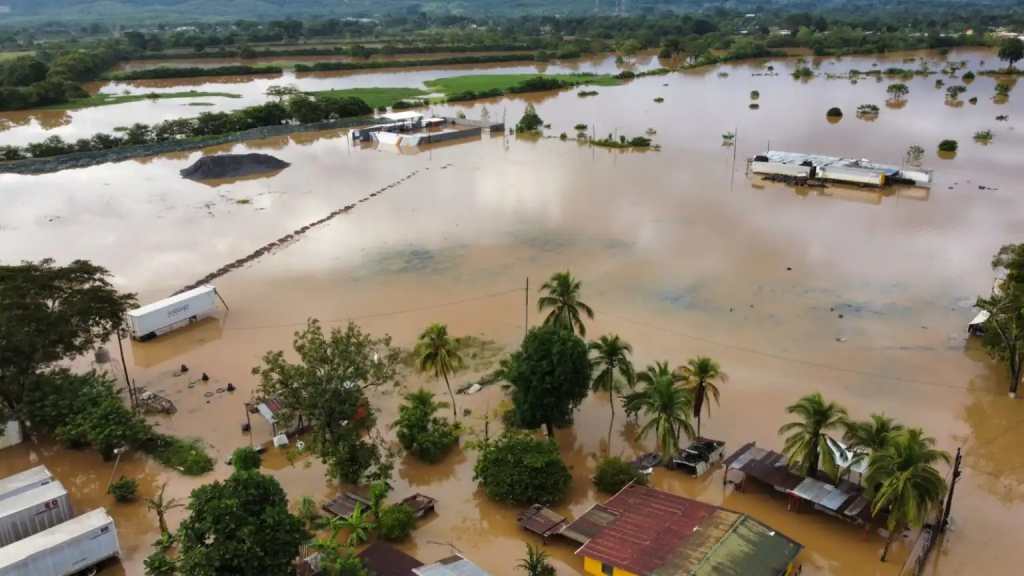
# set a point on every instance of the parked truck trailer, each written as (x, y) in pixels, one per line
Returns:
(24, 481)
(65, 549)
(33, 511)
(162, 316)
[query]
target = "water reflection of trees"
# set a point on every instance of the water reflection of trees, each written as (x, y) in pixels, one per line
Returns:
(991, 452)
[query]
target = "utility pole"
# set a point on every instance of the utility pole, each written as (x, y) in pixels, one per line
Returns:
(526, 308)
(949, 495)
(124, 365)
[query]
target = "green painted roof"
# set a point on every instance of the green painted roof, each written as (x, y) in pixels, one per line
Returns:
(749, 549)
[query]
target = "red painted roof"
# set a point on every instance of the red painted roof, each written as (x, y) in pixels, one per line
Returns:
(651, 526)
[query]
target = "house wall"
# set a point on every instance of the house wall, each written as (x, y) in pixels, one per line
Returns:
(593, 567)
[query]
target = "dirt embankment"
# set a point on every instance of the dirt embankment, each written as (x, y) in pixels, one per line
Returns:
(233, 166)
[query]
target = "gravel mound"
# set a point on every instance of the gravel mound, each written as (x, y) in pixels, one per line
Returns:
(233, 166)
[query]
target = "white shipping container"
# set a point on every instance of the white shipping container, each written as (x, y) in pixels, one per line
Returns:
(24, 481)
(165, 315)
(65, 549)
(34, 511)
(780, 169)
(11, 434)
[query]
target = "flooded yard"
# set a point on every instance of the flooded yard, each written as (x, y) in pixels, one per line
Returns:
(861, 294)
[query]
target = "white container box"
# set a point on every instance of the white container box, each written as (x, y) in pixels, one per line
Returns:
(24, 481)
(65, 549)
(165, 315)
(33, 511)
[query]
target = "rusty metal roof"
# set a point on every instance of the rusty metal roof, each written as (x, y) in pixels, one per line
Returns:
(385, 560)
(650, 528)
(590, 524)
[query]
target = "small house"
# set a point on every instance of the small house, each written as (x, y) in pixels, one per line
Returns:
(456, 565)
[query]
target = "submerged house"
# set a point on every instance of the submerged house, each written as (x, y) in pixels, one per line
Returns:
(646, 532)
(812, 167)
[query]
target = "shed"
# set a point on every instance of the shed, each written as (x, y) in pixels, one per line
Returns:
(456, 565)
(345, 503)
(383, 559)
(420, 504)
(541, 521)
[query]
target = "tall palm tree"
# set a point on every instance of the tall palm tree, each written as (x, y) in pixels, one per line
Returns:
(808, 443)
(613, 366)
(562, 296)
(667, 404)
(866, 437)
(701, 373)
(536, 562)
(436, 352)
(908, 486)
(357, 524)
(161, 506)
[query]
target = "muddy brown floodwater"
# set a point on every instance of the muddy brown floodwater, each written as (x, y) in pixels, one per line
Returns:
(861, 294)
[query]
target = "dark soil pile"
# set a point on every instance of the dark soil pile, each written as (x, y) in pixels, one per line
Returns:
(233, 166)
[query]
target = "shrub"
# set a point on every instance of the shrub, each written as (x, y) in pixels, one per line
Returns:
(580, 127)
(983, 136)
(422, 434)
(160, 564)
(754, 94)
(585, 93)
(396, 522)
(834, 112)
(948, 146)
(187, 456)
(531, 121)
(614, 473)
(968, 76)
(123, 489)
(803, 73)
(519, 468)
(659, 99)
(563, 136)
(246, 458)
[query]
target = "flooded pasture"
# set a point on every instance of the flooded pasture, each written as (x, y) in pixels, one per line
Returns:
(861, 294)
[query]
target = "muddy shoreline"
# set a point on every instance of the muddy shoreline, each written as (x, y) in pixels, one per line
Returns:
(34, 166)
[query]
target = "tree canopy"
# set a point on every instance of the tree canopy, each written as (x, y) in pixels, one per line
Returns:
(809, 443)
(1011, 50)
(240, 526)
(519, 468)
(1003, 337)
(50, 313)
(420, 432)
(327, 389)
(438, 354)
(561, 295)
(550, 377)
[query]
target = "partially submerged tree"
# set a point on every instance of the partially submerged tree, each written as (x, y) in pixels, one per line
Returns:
(1004, 338)
(550, 377)
(898, 91)
(161, 506)
(519, 468)
(240, 526)
(700, 374)
(531, 121)
(614, 473)
(438, 354)
(809, 444)
(246, 458)
(420, 432)
(50, 313)
(536, 562)
(611, 362)
(327, 389)
(561, 295)
(666, 403)
(1011, 50)
(909, 488)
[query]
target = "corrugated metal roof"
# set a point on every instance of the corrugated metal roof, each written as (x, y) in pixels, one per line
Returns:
(652, 525)
(450, 566)
(749, 549)
(590, 524)
(385, 560)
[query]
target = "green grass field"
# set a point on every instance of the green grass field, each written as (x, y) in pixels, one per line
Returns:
(482, 82)
(111, 99)
(11, 55)
(375, 97)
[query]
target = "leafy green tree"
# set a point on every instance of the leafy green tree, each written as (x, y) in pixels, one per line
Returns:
(358, 525)
(865, 437)
(124, 489)
(667, 404)
(905, 483)
(437, 353)
(396, 522)
(1004, 337)
(550, 377)
(51, 313)
(337, 560)
(160, 564)
(22, 71)
(809, 445)
(614, 473)
(246, 458)
(611, 362)
(160, 506)
(898, 91)
(327, 388)
(530, 121)
(1011, 50)
(421, 433)
(240, 526)
(518, 468)
(309, 513)
(305, 109)
(700, 374)
(536, 562)
(562, 297)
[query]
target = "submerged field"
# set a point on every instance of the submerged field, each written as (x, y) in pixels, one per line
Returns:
(859, 293)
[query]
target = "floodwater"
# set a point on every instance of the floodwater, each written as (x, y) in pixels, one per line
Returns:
(860, 294)
(214, 62)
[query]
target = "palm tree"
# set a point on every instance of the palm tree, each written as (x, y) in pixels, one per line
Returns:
(611, 361)
(358, 526)
(667, 404)
(536, 562)
(909, 487)
(562, 296)
(866, 437)
(436, 352)
(701, 372)
(808, 443)
(161, 506)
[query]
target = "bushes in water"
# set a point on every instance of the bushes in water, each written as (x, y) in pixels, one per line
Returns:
(803, 73)
(396, 522)
(298, 108)
(186, 456)
(580, 127)
(948, 146)
(420, 432)
(834, 112)
(519, 468)
(983, 136)
(614, 473)
(586, 93)
(246, 458)
(754, 94)
(623, 142)
(123, 489)
(659, 100)
(531, 121)
(195, 72)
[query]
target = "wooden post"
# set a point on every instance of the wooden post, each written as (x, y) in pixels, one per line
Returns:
(526, 308)
(949, 495)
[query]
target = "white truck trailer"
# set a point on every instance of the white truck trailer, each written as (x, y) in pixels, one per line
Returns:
(65, 549)
(32, 512)
(162, 316)
(24, 481)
